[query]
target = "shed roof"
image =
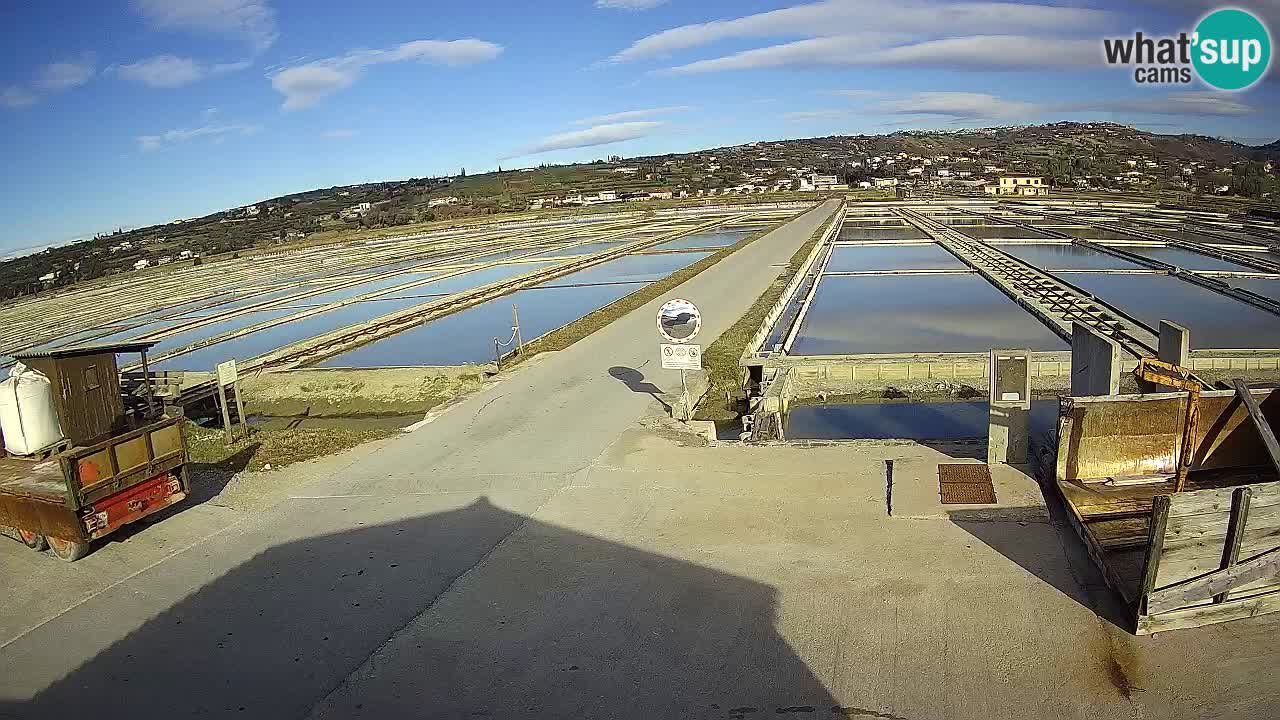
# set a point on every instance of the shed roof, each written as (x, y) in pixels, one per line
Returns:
(88, 349)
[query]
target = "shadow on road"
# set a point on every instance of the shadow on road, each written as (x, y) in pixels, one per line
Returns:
(555, 624)
(634, 380)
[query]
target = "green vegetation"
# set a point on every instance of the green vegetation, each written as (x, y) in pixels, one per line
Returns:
(720, 359)
(275, 447)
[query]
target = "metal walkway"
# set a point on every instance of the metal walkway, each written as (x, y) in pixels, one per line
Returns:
(1053, 301)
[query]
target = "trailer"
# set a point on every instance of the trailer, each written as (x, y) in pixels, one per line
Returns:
(1181, 545)
(123, 459)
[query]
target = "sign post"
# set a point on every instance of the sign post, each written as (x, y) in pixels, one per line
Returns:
(679, 322)
(228, 377)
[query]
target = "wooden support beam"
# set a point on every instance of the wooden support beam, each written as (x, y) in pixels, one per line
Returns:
(1259, 421)
(1155, 546)
(1235, 532)
(1178, 595)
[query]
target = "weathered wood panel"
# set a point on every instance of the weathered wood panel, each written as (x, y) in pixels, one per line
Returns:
(1136, 435)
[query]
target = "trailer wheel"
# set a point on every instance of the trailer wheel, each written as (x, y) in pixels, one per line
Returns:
(33, 540)
(68, 550)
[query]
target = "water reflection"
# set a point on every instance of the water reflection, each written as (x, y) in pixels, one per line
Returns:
(467, 336)
(1215, 320)
(1067, 257)
(711, 238)
(856, 258)
(1266, 287)
(1187, 259)
(1001, 231)
(916, 313)
(904, 421)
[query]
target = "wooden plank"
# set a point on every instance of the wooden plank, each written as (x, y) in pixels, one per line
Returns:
(1113, 579)
(1234, 609)
(1235, 533)
(1184, 560)
(1155, 545)
(1198, 502)
(1189, 591)
(1120, 533)
(1259, 421)
(1206, 528)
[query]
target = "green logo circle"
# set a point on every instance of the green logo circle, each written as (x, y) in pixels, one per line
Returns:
(1232, 49)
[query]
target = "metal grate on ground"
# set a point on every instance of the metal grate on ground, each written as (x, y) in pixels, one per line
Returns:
(965, 484)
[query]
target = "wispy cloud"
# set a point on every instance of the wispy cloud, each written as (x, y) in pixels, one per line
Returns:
(830, 114)
(908, 20)
(856, 94)
(629, 4)
(307, 84)
(1185, 103)
(339, 133)
(171, 71)
(598, 135)
(970, 107)
(14, 97)
(252, 21)
(170, 137)
(961, 106)
(979, 52)
(628, 115)
(67, 74)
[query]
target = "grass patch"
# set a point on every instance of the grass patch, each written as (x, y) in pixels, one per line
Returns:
(720, 359)
(274, 447)
(573, 332)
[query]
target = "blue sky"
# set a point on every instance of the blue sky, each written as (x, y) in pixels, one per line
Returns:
(132, 112)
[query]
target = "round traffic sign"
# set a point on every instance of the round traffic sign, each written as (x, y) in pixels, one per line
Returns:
(679, 320)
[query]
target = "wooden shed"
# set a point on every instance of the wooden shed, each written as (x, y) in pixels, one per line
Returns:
(86, 387)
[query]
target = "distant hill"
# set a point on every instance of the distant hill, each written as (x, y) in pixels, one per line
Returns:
(1099, 155)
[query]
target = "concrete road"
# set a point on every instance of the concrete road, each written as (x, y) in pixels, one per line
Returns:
(553, 547)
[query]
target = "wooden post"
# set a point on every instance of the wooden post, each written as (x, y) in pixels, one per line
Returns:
(146, 384)
(1155, 546)
(1235, 532)
(1259, 421)
(244, 422)
(226, 414)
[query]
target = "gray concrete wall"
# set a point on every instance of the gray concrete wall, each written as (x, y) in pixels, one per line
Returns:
(1095, 363)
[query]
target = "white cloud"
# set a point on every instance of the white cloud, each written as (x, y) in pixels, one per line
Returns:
(969, 107)
(67, 74)
(857, 94)
(305, 85)
(1185, 103)
(14, 97)
(629, 4)
(996, 52)
(169, 137)
(961, 106)
(598, 135)
(339, 134)
(171, 71)
(816, 115)
(917, 18)
(632, 115)
(253, 21)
